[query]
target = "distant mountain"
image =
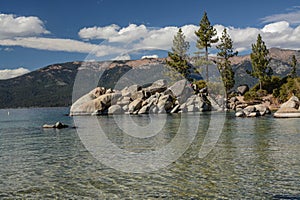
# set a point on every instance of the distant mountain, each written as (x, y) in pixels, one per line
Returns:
(280, 59)
(53, 85)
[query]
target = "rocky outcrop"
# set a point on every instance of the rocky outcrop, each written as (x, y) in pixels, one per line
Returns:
(291, 108)
(253, 111)
(156, 98)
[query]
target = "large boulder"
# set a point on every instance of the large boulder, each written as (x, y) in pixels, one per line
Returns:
(214, 105)
(128, 91)
(289, 108)
(158, 86)
(138, 95)
(242, 89)
(115, 109)
(135, 106)
(181, 90)
(99, 104)
(95, 93)
(262, 109)
(165, 103)
(293, 103)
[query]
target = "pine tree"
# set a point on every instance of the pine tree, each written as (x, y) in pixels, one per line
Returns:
(178, 57)
(205, 36)
(293, 63)
(260, 62)
(179, 66)
(226, 51)
(180, 45)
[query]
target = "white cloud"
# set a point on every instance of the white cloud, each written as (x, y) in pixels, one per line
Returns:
(120, 41)
(292, 17)
(189, 32)
(66, 45)
(12, 26)
(127, 39)
(128, 34)
(278, 34)
(11, 73)
(149, 56)
(122, 57)
(99, 32)
(159, 38)
(51, 44)
(277, 27)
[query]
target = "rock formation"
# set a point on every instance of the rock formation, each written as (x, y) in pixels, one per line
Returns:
(156, 98)
(291, 108)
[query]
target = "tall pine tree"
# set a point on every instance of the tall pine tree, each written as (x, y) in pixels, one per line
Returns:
(206, 37)
(293, 73)
(260, 62)
(177, 59)
(180, 45)
(226, 51)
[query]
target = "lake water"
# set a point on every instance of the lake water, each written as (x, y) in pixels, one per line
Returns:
(255, 158)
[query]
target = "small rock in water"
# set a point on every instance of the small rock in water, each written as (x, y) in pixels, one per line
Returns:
(60, 125)
(57, 125)
(48, 126)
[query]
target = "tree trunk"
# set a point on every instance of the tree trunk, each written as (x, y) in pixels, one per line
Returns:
(260, 85)
(206, 58)
(225, 103)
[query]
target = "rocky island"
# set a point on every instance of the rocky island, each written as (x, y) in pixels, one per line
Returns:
(156, 98)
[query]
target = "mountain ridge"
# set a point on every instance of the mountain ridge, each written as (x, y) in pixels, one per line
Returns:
(52, 86)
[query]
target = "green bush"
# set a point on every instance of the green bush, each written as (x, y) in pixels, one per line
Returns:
(291, 87)
(254, 94)
(250, 95)
(200, 84)
(262, 93)
(271, 86)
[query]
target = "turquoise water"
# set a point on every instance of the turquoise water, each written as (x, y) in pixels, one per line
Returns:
(255, 158)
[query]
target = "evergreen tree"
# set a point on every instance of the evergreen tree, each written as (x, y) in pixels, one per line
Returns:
(179, 66)
(293, 63)
(260, 62)
(205, 36)
(177, 59)
(180, 45)
(226, 51)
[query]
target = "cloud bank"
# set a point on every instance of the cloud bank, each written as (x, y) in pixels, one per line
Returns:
(11, 73)
(278, 34)
(12, 26)
(280, 30)
(292, 17)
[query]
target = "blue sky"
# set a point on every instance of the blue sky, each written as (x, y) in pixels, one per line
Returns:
(36, 33)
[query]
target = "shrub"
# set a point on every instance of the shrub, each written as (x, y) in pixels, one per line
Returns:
(254, 94)
(262, 93)
(291, 87)
(200, 84)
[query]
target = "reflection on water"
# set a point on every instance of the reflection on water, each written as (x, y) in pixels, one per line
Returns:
(253, 158)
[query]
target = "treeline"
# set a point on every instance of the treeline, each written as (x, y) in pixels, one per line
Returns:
(179, 62)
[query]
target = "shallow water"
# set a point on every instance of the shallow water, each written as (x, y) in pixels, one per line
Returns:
(255, 158)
